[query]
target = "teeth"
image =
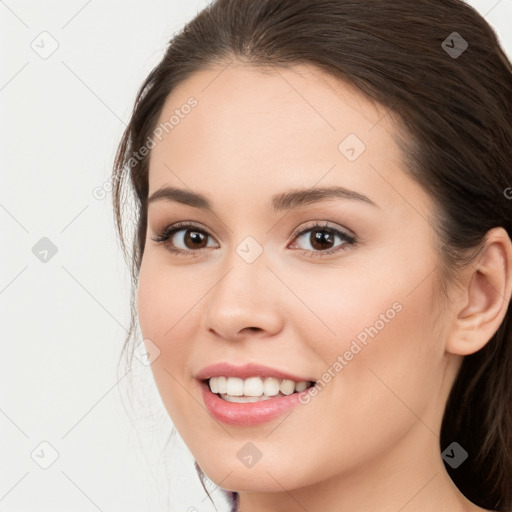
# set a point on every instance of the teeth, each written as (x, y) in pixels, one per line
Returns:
(271, 387)
(287, 387)
(301, 386)
(255, 386)
(244, 399)
(252, 386)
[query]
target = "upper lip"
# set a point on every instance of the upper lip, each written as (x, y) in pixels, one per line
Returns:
(246, 371)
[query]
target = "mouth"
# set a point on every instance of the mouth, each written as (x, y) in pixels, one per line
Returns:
(254, 389)
(239, 409)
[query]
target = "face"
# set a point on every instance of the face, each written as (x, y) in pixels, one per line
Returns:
(338, 286)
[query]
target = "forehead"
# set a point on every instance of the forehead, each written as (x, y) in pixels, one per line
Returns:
(253, 105)
(272, 128)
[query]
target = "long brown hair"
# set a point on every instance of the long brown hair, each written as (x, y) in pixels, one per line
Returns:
(439, 69)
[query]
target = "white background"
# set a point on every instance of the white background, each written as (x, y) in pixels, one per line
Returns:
(64, 321)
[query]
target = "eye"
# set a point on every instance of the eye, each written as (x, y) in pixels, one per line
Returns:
(192, 238)
(322, 237)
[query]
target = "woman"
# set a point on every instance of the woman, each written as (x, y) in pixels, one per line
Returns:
(322, 261)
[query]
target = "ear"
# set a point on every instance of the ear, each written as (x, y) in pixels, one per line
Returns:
(486, 293)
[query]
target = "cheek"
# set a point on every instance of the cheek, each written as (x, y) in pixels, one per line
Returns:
(168, 315)
(165, 299)
(381, 358)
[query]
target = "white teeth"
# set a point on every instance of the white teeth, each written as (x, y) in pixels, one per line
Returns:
(255, 386)
(244, 399)
(301, 386)
(222, 384)
(287, 387)
(235, 386)
(270, 386)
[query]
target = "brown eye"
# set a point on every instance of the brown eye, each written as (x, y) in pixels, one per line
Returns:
(321, 239)
(193, 239)
(183, 238)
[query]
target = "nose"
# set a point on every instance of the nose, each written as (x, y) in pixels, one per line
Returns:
(245, 300)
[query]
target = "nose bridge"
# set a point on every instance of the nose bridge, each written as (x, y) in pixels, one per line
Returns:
(245, 273)
(242, 296)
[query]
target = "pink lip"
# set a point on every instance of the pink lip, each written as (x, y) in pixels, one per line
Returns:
(251, 413)
(246, 371)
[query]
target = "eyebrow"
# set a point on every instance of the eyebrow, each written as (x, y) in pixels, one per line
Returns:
(280, 202)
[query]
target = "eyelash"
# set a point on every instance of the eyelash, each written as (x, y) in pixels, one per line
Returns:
(163, 237)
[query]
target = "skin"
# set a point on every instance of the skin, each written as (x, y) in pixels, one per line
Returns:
(369, 441)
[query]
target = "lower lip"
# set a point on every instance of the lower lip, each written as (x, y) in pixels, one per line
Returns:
(250, 413)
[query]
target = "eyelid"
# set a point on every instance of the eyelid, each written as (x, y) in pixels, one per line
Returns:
(317, 224)
(178, 226)
(161, 236)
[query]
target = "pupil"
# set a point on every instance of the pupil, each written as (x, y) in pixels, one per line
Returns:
(321, 237)
(196, 236)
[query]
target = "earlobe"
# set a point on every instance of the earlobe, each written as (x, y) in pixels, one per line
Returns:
(487, 295)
